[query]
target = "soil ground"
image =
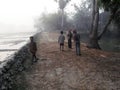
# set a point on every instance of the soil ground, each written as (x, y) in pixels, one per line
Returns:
(63, 70)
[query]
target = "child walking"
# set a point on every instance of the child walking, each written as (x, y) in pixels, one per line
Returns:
(61, 41)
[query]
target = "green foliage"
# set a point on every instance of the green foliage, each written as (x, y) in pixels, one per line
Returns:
(113, 6)
(100, 4)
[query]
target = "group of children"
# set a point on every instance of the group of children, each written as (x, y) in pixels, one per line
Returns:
(75, 36)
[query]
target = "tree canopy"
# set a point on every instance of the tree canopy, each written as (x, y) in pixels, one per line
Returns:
(62, 3)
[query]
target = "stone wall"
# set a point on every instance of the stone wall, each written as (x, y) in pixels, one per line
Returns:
(13, 66)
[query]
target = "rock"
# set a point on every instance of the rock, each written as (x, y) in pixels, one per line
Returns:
(51, 75)
(59, 71)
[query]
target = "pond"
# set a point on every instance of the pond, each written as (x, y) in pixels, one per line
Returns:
(109, 44)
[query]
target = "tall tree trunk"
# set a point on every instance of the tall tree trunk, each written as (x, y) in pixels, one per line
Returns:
(93, 37)
(62, 22)
(93, 15)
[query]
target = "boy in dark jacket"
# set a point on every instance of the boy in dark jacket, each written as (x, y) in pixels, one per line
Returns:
(33, 49)
(69, 35)
(77, 42)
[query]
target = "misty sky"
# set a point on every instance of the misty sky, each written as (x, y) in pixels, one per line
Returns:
(19, 15)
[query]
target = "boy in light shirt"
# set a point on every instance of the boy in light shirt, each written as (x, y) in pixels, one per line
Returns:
(61, 40)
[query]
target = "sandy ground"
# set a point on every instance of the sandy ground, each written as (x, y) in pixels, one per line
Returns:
(57, 70)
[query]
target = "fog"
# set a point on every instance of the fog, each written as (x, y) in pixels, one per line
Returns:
(19, 15)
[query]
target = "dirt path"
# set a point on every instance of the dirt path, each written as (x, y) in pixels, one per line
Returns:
(56, 70)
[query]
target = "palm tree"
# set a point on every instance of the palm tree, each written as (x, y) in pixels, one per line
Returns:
(62, 5)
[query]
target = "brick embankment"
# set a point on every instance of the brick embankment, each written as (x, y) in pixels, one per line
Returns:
(13, 67)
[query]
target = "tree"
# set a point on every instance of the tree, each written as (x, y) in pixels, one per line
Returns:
(62, 5)
(82, 17)
(93, 35)
(113, 6)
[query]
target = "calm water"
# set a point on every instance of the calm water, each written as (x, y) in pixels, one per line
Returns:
(110, 44)
(10, 43)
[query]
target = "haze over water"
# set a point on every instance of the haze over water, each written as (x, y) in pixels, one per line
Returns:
(10, 43)
(17, 19)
